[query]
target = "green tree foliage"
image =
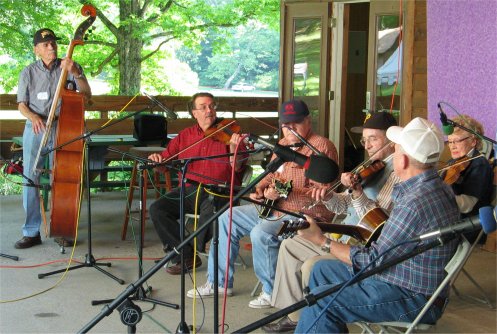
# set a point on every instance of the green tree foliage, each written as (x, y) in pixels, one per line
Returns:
(251, 56)
(129, 36)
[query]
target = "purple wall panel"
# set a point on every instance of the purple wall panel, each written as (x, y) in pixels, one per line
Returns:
(462, 59)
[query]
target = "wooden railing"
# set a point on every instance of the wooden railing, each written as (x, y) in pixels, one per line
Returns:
(105, 103)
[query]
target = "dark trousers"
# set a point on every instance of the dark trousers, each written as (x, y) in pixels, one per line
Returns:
(165, 213)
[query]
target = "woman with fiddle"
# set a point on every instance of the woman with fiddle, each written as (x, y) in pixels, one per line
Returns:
(193, 142)
(297, 255)
(469, 172)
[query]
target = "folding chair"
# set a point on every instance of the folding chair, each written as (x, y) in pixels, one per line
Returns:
(484, 299)
(452, 268)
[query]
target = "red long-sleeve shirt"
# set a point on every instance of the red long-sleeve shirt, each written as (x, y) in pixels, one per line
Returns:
(218, 168)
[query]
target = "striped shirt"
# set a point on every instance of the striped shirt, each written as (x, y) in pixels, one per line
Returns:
(340, 202)
(422, 204)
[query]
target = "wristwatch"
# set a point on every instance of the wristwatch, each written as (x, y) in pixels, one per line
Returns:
(326, 247)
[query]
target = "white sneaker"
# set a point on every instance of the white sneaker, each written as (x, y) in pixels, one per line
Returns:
(207, 290)
(263, 301)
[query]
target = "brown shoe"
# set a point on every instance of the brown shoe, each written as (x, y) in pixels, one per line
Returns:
(27, 242)
(63, 242)
(283, 325)
(176, 269)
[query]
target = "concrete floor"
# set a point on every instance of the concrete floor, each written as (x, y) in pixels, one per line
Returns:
(61, 304)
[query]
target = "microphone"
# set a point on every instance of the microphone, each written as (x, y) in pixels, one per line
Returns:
(484, 220)
(319, 168)
(447, 128)
(303, 140)
(170, 114)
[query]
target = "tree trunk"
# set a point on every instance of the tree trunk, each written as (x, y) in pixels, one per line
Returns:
(227, 84)
(130, 47)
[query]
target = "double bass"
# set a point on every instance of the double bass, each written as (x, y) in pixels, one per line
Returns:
(68, 160)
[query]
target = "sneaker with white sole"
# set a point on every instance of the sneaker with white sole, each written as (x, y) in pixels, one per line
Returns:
(263, 301)
(207, 290)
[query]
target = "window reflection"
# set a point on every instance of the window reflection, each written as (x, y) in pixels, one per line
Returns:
(388, 63)
(307, 57)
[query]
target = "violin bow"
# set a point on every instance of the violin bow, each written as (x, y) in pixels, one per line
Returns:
(460, 162)
(201, 140)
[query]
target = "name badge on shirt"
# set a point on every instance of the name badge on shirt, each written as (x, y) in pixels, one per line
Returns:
(42, 96)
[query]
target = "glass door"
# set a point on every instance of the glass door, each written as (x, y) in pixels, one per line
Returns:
(305, 58)
(385, 80)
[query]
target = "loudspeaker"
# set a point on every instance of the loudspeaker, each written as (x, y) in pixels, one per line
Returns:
(150, 127)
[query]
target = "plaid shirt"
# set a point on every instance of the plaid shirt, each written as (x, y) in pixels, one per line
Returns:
(421, 204)
(298, 197)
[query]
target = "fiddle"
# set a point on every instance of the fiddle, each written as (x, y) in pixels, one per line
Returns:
(366, 171)
(362, 173)
(222, 130)
(453, 170)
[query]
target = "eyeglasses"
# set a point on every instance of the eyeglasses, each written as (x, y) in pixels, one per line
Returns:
(205, 107)
(370, 140)
(457, 141)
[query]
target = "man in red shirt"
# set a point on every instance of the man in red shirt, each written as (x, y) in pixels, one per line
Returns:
(166, 211)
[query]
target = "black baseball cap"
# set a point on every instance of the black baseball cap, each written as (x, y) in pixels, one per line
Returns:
(380, 120)
(44, 35)
(293, 111)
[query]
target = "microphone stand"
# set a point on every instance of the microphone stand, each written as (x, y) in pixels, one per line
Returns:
(182, 326)
(311, 299)
(89, 258)
(109, 308)
(455, 124)
(141, 293)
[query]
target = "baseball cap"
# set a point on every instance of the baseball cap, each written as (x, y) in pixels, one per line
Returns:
(420, 138)
(293, 111)
(44, 35)
(380, 120)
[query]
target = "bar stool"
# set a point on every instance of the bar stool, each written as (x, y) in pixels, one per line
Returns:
(143, 152)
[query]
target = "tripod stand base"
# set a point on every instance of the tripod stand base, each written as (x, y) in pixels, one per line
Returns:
(12, 257)
(140, 295)
(89, 262)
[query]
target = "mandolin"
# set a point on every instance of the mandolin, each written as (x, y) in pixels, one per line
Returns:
(283, 189)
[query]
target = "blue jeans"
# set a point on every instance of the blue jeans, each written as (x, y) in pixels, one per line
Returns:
(30, 195)
(265, 245)
(370, 300)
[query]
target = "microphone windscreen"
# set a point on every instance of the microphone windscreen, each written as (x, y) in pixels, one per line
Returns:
(487, 219)
(322, 169)
(447, 129)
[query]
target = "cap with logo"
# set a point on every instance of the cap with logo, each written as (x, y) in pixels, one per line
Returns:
(293, 111)
(380, 120)
(420, 138)
(44, 35)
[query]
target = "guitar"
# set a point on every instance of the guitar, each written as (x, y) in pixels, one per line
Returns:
(283, 189)
(366, 231)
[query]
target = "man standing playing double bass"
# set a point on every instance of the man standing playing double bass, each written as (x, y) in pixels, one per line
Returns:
(36, 90)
